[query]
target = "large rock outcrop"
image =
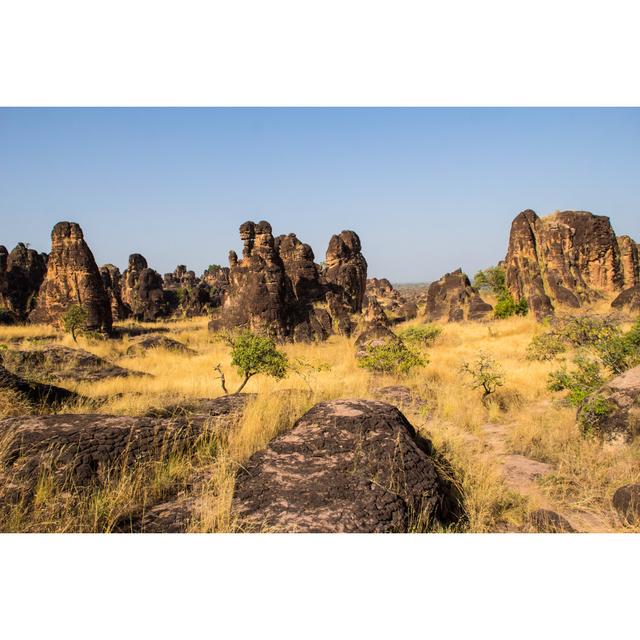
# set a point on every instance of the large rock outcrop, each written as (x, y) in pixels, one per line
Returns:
(613, 412)
(112, 281)
(346, 270)
(277, 289)
(142, 290)
(390, 300)
(346, 466)
(72, 278)
(21, 274)
(569, 258)
(187, 295)
(453, 299)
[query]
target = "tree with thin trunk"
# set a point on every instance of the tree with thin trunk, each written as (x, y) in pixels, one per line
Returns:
(251, 355)
(74, 320)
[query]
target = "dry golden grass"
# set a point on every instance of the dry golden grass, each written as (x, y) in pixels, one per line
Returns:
(585, 476)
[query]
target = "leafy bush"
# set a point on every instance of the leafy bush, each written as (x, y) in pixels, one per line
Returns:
(492, 279)
(618, 353)
(423, 336)
(392, 357)
(587, 330)
(592, 413)
(506, 306)
(580, 382)
(74, 320)
(545, 346)
(251, 355)
(485, 374)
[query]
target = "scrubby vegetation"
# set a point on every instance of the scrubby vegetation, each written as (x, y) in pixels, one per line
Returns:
(451, 413)
(493, 280)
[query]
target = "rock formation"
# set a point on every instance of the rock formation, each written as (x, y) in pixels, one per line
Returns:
(346, 270)
(142, 290)
(628, 300)
(613, 412)
(346, 466)
(34, 393)
(112, 282)
(72, 278)
(62, 363)
(374, 335)
(626, 501)
(276, 289)
(390, 300)
(187, 295)
(21, 274)
(568, 258)
(453, 299)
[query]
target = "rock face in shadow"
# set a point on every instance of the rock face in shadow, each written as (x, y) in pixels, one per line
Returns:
(626, 501)
(21, 274)
(142, 290)
(276, 288)
(189, 296)
(569, 259)
(453, 299)
(628, 300)
(72, 278)
(112, 282)
(345, 466)
(613, 412)
(35, 393)
(62, 363)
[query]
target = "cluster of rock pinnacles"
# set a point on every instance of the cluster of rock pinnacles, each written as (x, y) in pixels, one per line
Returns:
(569, 259)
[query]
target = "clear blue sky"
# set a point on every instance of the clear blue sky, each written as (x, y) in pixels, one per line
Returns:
(427, 190)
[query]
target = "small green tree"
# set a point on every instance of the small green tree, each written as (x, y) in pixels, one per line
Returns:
(422, 336)
(580, 382)
(492, 279)
(392, 357)
(251, 355)
(506, 306)
(74, 320)
(485, 374)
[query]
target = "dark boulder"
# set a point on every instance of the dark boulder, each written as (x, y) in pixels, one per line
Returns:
(628, 300)
(142, 290)
(626, 501)
(546, 521)
(374, 335)
(453, 299)
(21, 274)
(345, 466)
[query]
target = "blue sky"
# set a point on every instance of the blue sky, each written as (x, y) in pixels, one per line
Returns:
(427, 190)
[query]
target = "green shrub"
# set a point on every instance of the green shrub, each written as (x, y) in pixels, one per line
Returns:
(617, 352)
(587, 330)
(492, 279)
(422, 336)
(545, 346)
(251, 355)
(74, 321)
(484, 373)
(392, 357)
(506, 306)
(579, 382)
(592, 414)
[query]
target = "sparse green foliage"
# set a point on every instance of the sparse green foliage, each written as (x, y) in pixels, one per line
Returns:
(592, 413)
(545, 346)
(506, 306)
(485, 373)
(580, 382)
(74, 321)
(307, 370)
(492, 279)
(251, 355)
(584, 331)
(393, 357)
(421, 336)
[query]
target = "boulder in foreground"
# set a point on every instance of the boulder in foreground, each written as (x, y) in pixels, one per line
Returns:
(346, 466)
